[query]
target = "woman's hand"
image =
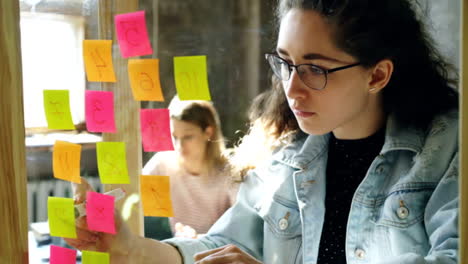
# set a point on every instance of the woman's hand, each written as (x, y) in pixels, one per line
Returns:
(226, 254)
(97, 241)
(186, 231)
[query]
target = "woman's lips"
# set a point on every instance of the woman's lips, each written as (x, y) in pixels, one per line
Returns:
(300, 113)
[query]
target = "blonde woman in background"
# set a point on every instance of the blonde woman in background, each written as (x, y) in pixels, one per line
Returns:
(201, 190)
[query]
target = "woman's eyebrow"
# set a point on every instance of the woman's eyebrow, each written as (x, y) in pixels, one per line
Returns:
(309, 56)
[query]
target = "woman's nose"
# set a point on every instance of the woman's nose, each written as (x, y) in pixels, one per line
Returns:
(294, 87)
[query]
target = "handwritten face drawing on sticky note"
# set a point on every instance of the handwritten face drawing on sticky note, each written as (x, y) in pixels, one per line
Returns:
(191, 78)
(156, 196)
(132, 34)
(99, 108)
(100, 212)
(112, 162)
(93, 257)
(144, 79)
(57, 109)
(155, 128)
(98, 60)
(61, 216)
(61, 255)
(66, 161)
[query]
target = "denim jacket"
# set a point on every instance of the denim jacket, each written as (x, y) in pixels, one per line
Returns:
(404, 211)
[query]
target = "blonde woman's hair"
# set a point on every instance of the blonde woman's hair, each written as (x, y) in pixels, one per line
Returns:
(202, 114)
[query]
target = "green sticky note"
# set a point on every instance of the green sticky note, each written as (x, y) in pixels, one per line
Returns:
(57, 109)
(93, 257)
(191, 78)
(112, 162)
(61, 213)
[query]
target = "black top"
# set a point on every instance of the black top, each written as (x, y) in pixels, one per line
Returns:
(348, 162)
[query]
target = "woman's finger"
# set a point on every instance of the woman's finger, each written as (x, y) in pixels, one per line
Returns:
(79, 190)
(223, 258)
(228, 254)
(79, 244)
(203, 254)
(86, 235)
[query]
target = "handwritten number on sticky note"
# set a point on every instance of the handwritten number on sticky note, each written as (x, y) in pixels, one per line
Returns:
(131, 32)
(159, 201)
(190, 80)
(98, 61)
(146, 82)
(57, 106)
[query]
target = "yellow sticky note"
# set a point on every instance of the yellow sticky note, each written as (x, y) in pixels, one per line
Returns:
(112, 162)
(57, 109)
(98, 60)
(156, 195)
(144, 79)
(66, 161)
(191, 78)
(61, 213)
(94, 257)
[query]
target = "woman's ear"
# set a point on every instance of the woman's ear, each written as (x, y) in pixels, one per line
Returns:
(380, 76)
(209, 131)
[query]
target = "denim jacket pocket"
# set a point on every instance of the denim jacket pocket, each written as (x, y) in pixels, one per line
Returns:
(403, 208)
(283, 218)
(282, 231)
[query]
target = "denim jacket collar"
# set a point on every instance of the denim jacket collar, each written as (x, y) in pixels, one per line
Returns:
(305, 148)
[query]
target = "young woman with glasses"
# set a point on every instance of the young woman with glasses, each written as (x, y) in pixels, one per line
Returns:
(367, 168)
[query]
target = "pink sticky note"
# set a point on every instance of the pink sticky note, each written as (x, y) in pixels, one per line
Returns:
(132, 34)
(155, 130)
(100, 212)
(61, 255)
(100, 111)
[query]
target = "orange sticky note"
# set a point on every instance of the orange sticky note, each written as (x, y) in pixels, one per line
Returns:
(57, 109)
(144, 79)
(112, 162)
(156, 195)
(98, 60)
(66, 161)
(191, 78)
(61, 213)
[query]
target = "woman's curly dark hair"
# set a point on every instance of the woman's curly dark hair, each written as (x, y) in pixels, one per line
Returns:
(373, 30)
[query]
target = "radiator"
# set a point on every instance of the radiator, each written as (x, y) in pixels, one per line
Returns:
(39, 191)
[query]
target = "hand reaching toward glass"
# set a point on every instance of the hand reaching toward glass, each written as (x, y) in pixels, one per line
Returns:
(97, 241)
(123, 247)
(225, 254)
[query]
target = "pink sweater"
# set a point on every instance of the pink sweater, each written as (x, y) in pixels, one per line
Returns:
(197, 201)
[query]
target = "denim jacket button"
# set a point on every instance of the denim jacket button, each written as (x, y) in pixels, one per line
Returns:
(402, 212)
(360, 253)
(283, 224)
(380, 168)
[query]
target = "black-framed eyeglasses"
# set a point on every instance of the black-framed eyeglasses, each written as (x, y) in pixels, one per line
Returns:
(313, 76)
